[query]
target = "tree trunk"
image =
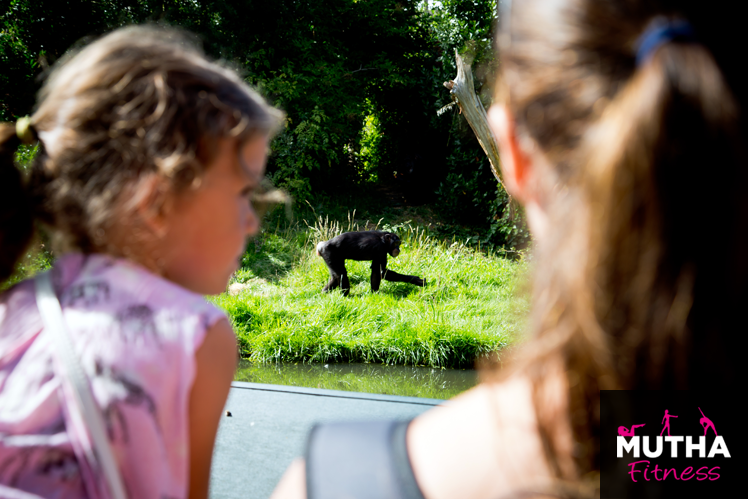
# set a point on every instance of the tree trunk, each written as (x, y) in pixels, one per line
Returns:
(463, 94)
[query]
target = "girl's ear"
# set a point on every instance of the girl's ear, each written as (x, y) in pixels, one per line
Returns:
(153, 202)
(519, 167)
(515, 164)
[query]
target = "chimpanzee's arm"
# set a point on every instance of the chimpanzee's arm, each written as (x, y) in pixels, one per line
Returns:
(378, 266)
(392, 276)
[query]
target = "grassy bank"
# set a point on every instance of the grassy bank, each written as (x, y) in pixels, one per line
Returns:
(469, 307)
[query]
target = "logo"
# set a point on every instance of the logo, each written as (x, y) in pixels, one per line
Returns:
(632, 447)
(662, 444)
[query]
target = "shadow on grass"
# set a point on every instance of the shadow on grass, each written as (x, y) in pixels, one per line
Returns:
(401, 291)
(398, 291)
(269, 256)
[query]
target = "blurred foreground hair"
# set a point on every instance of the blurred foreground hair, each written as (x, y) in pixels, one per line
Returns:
(643, 273)
(135, 115)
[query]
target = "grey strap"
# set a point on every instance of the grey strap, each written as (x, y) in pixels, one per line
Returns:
(102, 458)
(360, 460)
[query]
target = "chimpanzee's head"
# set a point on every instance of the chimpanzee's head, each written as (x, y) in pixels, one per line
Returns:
(392, 243)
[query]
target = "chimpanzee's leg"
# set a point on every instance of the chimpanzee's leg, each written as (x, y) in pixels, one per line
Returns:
(338, 276)
(392, 276)
(332, 284)
(344, 284)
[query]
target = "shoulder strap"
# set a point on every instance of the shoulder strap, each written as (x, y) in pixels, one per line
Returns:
(101, 456)
(361, 460)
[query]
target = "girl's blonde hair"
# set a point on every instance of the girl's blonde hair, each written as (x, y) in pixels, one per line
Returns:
(138, 104)
(647, 177)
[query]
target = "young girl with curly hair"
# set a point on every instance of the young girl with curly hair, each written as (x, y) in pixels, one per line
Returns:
(148, 157)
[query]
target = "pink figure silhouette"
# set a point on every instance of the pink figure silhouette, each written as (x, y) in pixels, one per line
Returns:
(666, 420)
(622, 431)
(706, 423)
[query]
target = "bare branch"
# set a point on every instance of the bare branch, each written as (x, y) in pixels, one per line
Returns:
(462, 91)
(361, 68)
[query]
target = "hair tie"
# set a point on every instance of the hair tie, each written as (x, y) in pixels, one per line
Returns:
(25, 131)
(659, 32)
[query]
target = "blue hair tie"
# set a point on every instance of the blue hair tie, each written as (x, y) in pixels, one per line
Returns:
(659, 32)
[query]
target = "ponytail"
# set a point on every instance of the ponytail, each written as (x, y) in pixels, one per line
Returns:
(640, 282)
(667, 164)
(16, 218)
(638, 299)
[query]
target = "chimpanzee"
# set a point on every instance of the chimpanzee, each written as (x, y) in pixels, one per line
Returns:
(366, 245)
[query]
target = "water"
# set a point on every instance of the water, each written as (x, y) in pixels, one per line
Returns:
(370, 378)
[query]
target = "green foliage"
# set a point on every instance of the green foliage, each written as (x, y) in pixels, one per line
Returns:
(37, 259)
(464, 195)
(468, 192)
(360, 82)
(370, 141)
(36, 33)
(472, 193)
(25, 154)
(300, 150)
(511, 226)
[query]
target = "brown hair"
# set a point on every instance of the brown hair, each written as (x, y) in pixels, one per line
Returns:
(646, 159)
(139, 103)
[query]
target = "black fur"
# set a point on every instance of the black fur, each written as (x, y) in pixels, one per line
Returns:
(371, 245)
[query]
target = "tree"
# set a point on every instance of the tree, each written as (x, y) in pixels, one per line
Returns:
(360, 81)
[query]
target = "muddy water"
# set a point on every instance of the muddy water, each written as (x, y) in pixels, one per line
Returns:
(371, 378)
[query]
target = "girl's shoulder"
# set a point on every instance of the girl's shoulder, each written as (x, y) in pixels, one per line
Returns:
(136, 336)
(100, 281)
(100, 291)
(134, 297)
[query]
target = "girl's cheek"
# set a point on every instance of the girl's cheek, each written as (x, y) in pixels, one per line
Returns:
(254, 222)
(249, 219)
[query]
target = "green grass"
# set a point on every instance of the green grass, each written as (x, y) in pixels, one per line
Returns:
(469, 308)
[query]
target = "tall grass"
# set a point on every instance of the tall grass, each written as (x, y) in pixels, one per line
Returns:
(469, 308)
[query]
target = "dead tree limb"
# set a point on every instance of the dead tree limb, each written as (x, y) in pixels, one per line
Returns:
(463, 94)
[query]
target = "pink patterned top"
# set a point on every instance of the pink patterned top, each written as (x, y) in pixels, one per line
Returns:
(136, 335)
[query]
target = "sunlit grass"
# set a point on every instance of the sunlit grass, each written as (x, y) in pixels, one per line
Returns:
(469, 308)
